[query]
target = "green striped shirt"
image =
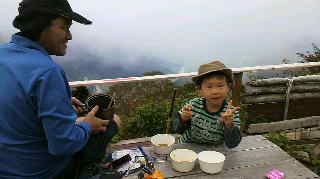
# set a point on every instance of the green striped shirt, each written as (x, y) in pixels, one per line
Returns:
(206, 127)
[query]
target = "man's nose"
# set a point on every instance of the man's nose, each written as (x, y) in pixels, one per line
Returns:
(69, 36)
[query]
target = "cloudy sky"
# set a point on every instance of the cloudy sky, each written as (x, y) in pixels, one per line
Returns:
(188, 33)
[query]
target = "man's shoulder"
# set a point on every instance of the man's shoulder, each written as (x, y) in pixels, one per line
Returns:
(23, 60)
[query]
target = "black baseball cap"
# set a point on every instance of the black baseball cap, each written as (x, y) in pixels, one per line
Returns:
(56, 7)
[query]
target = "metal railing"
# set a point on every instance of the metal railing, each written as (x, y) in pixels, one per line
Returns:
(237, 72)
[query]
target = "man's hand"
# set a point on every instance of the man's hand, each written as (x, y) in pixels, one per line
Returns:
(77, 105)
(117, 120)
(186, 113)
(98, 125)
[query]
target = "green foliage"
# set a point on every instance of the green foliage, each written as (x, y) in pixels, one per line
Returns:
(313, 56)
(243, 118)
(152, 73)
(149, 115)
(291, 147)
(279, 139)
(254, 76)
(150, 119)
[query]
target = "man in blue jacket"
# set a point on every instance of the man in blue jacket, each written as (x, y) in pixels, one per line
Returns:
(40, 132)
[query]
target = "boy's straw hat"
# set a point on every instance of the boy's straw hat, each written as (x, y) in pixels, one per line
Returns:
(213, 67)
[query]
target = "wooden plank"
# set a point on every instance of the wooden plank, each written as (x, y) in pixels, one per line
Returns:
(284, 81)
(282, 89)
(276, 67)
(303, 134)
(267, 98)
(189, 75)
(236, 90)
(284, 125)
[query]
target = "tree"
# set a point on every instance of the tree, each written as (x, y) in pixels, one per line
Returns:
(134, 94)
(313, 56)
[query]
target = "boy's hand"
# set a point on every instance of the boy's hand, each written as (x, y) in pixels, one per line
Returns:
(186, 113)
(228, 116)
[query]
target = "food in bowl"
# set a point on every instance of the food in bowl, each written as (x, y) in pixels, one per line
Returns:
(183, 160)
(211, 161)
(162, 143)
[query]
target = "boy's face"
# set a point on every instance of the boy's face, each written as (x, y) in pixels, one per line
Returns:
(214, 89)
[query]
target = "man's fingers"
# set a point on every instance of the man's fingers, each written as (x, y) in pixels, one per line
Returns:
(76, 101)
(94, 110)
(104, 122)
(102, 129)
(116, 119)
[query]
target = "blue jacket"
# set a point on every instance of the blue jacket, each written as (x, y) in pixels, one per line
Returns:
(38, 133)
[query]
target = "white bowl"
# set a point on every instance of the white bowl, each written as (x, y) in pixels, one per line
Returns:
(162, 143)
(211, 161)
(183, 160)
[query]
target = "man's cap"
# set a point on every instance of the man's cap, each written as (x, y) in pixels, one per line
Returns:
(56, 7)
(215, 66)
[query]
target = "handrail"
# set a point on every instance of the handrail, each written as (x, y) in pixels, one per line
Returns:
(188, 75)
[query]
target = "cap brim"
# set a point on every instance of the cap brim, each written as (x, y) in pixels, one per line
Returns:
(80, 19)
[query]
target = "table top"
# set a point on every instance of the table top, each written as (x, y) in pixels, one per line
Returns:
(252, 159)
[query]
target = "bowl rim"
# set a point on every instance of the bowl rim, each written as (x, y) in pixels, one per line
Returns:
(218, 161)
(173, 139)
(193, 152)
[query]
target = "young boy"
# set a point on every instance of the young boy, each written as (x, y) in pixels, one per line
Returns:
(210, 119)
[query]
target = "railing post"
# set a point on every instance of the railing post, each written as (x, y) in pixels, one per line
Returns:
(236, 91)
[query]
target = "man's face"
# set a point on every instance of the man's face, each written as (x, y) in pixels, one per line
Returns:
(55, 38)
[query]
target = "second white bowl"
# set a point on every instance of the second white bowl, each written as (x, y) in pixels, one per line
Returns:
(211, 161)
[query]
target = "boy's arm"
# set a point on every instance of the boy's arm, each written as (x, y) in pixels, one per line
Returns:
(232, 135)
(179, 125)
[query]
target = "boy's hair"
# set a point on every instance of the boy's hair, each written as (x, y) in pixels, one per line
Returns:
(215, 74)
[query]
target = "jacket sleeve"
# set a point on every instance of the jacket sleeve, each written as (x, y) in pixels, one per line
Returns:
(178, 125)
(57, 116)
(232, 135)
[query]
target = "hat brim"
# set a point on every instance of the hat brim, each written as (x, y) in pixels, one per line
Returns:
(227, 71)
(80, 19)
(76, 17)
(73, 16)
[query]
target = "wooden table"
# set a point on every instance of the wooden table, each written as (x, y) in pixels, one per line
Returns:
(254, 157)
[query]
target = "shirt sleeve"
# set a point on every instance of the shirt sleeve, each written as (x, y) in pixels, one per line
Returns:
(232, 135)
(64, 135)
(180, 126)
